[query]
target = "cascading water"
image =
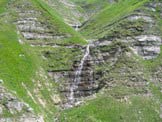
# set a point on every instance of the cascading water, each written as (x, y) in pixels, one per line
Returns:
(77, 27)
(79, 70)
(77, 78)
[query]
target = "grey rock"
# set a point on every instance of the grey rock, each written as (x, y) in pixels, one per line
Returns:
(148, 46)
(144, 17)
(15, 106)
(7, 120)
(1, 109)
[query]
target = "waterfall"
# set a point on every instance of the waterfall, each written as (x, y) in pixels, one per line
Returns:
(79, 70)
(78, 73)
(77, 27)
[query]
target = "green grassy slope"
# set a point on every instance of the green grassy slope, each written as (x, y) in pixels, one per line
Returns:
(109, 15)
(91, 7)
(17, 64)
(108, 109)
(70, 12)
(22, 63)
(56, 19)
(21, 66)
(2, 4)
(138, 107)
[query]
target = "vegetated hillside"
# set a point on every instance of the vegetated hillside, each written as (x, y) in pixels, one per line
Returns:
(28, 29)
(91, 7)
(50, 72)
(71, 13)
(109, 15)
(76, 12)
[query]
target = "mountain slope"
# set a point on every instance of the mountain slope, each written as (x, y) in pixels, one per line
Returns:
(25, 24)
(129, 76)
(70, 12)
(109, 15)
(49, 72)
(75, 12)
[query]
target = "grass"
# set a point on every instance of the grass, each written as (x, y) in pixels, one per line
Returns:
(153, 63)
(17, 63)
(109, 15)
(68, 13)
(2, 5)
(20, 62)
(91, 6)
(108, 109)
(55, 18)
(87, 1)
(63, 61)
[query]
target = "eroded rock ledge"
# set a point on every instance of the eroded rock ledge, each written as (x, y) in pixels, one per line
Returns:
(32, 24)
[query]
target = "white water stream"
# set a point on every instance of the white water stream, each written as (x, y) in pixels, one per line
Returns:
(79, 70)
(77, 28)
(78, 73)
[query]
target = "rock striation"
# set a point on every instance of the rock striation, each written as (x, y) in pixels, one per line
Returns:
(33, 26)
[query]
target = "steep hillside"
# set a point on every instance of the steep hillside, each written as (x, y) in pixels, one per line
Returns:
(72, 14)
(109, 15)
(80, 61)
(128, 54)
(28, 30)
(91, 7)
(75, 12)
